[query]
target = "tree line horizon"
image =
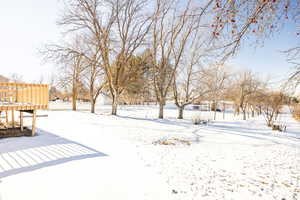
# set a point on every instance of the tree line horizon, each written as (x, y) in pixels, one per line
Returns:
(161, 50)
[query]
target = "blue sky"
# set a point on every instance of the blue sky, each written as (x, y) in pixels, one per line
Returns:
(27, 25)
(269, 60)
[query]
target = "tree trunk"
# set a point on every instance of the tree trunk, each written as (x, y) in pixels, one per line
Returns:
(276, 115)
(74, 104)
(244, 115)
(215, 114)
(161, 110)
(215, 110)
(74, 97)
(248, 113)
(224, 108)
(180, 112)
(260, 110)
(269, 122)
(92, 97)
(236, 111)
(114, 105)
(93, 103)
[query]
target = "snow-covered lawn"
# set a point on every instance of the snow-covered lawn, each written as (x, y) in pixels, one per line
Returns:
(78, 155)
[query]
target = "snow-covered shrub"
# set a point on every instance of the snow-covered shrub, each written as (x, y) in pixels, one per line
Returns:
(196, 119)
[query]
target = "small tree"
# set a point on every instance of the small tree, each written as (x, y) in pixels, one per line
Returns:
(72, 65)
(216, 77)
(272, 103)
(190, 88)
(245, 85)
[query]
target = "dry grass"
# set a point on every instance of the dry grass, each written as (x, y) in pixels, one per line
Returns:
(172, 142)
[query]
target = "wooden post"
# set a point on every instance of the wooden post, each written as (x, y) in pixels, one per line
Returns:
(33, 122)
(6, 117)
(13, 118)
(21, 120)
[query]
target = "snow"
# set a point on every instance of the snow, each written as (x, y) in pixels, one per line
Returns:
(79, 155)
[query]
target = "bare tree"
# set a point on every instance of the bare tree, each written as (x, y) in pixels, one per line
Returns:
(216, 79)
(245, 85)
(117, 28)
(190, 80)
(236, 21)
(172, 29)
(272, 103)
(186, 89)
(72, 64)
(74, 73)
(93, 77)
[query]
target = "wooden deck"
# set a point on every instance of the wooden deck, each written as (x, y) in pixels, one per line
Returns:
(17, 106)
(23, 98)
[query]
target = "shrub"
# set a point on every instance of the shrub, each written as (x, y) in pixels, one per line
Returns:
(280, 128)
(296, 112)
(196, 120)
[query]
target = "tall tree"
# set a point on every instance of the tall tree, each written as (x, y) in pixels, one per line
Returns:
(190, 81)
(173, 26)
(117, 28)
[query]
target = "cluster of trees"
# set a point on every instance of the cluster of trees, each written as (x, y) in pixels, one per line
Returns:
(156, 50)
(253, 96)
(250, 94)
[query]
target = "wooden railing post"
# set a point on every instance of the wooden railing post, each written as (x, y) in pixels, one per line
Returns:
(13, 118)
(33, 122)
(21, 120)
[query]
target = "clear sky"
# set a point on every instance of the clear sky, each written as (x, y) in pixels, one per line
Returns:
(268, 59)
(27, 25)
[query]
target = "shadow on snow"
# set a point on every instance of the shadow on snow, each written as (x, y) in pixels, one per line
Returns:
(23, 154)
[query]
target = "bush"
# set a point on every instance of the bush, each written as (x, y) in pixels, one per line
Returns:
(296, 112)
(198, 120)
(280, 128)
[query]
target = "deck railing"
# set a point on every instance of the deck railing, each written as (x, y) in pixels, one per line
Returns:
(22, 94)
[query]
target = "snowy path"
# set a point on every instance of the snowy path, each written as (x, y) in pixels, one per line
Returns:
(228, 159)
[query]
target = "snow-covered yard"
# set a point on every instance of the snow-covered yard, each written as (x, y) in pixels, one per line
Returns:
(78, 155)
